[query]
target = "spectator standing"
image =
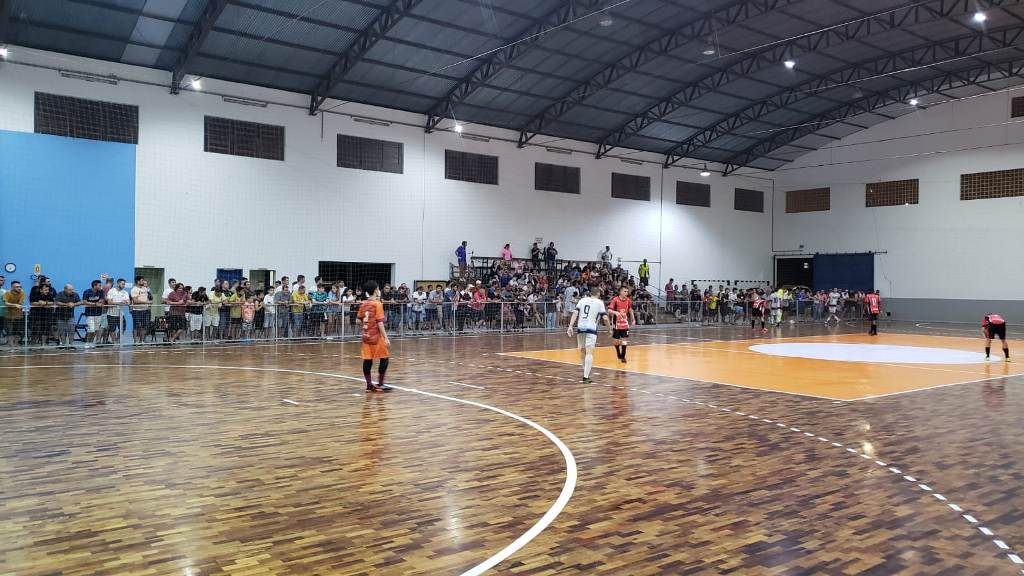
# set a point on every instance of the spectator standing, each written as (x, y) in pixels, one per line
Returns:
(14, 301)
(419, 304)
(535, 256)
(93, 298)
(66, 300)
(3, 309)
(41, 320)
(460, 254)
(117, 297)
(318, 311)
(506, 254)
(606, 257)
(282, 301)
(269, 311)
(644, 272)
(197, 319)
(170, 288)
(550, 255)
(141, 298)
(234, 305)
(300, 303)
(177, 302)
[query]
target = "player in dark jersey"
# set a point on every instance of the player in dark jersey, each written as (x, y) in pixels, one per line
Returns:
(758, 310)
(622, 308)
(873, 304)
(993, 326)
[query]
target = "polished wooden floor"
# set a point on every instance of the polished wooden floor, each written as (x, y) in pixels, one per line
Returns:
(271, 460)
(733, 363)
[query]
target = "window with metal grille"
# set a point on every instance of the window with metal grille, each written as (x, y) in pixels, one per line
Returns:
(998, 184)
(891, 193)
(468, 167)
(810, 200)
(241, 138)
(1017, 107)
(693, 194)
(81, 118)
(370, 154)
(749, 200)
(631, 187)
(556, 178)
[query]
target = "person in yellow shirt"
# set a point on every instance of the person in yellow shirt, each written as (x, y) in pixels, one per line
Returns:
(234, 303)
(14, 302)
(300, 302)
(211, 314)
(644, 272)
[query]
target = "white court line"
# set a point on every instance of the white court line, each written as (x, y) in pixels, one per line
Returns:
(493, 560)
(292, 402)
(466, 385)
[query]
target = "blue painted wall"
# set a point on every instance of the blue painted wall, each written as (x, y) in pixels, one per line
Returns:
(67, 204)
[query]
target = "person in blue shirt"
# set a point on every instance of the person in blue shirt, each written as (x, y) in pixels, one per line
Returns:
(460, 253)
(94, 301)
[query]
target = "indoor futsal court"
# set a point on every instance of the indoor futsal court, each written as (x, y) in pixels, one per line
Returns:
(511, 287)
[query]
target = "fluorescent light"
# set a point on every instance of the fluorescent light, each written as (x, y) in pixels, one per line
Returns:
(789, 64)
(980, 17)
(370, 121)
(3, 52)
(913, 101)
(458, 128)
(112, 80)
(244, 101)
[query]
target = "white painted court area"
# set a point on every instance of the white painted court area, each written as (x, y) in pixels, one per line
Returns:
(880, 353)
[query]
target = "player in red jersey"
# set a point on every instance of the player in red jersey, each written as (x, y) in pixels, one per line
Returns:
(622, 309)
(873, 303)
(758, 309)
(993, 326)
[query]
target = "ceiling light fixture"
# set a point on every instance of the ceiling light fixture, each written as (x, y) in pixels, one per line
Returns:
(789, 64)
(705, 172)
(913, 101)
(458, 128)
(709, 49)
(3, 51)
(196, 85)
(980, 17)
(606, 21)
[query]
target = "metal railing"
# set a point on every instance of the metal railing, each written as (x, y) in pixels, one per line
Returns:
(50, 326)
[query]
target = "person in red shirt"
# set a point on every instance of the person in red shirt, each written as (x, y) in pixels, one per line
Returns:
(993, 326)
(375, 338)
(622, 308)
(873, 304)
(758, 310)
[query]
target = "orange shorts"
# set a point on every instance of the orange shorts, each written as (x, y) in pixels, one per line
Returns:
(375, 351)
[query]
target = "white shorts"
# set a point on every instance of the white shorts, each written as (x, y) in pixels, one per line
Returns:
(586, 341)
(195, 322)
(211, 319)
(94, 323)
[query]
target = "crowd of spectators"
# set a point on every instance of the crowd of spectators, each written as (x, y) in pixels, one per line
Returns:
(510, 294)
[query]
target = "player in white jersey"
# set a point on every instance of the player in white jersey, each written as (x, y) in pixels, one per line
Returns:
(833, 306)
(589, 311)
(775, 302)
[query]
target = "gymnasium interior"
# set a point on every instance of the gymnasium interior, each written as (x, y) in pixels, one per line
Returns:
(813, 207)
